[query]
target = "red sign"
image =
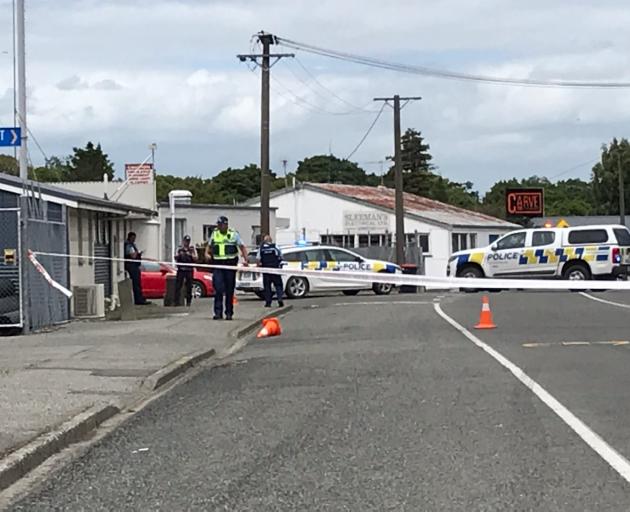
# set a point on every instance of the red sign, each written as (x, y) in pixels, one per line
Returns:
(525, 202)
(139, 173)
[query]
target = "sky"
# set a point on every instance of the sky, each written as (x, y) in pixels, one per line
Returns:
(127, 73)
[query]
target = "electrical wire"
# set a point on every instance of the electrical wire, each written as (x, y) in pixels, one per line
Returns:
(588, 162)
(439, 73)
(367, 132)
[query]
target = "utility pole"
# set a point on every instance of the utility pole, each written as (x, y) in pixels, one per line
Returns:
(398, 177)
(21, 79)
(266, 40)
(622, 194)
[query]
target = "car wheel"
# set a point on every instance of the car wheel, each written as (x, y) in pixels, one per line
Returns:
(382, 288)
(470, 272)
(351, 292)
(576, 272)
(198, 290)
(297, 287)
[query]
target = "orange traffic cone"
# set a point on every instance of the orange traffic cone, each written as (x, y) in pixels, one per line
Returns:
(234, 300)
(485, 319)
(271, 327)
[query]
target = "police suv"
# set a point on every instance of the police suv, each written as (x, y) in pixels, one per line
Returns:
(322, 258)
(578, 253)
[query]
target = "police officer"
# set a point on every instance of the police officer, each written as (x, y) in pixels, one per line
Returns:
(269, 256)
(133, 268)
(223, 248)
(186, 253)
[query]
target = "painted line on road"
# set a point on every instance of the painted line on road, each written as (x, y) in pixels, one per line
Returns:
(616, 461)
(381, 303)
(535, 344)
(604, 301)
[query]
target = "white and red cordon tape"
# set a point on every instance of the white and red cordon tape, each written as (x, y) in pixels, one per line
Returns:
(372, 277)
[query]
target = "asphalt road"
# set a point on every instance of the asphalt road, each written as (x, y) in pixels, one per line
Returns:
(367, 403)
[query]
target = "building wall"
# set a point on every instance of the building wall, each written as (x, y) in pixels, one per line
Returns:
(141, 195)
(246, 220)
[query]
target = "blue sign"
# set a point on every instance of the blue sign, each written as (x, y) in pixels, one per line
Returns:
(10, 137)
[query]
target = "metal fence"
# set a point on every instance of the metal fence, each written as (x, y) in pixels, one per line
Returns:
(10, 278)
(44, 228)
(413, 254)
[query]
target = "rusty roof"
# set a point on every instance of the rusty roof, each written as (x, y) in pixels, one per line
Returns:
(418, 206)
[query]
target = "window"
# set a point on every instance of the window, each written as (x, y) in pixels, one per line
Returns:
(460, 241)
(543, 238)
(370, 240)
(418, 240)
(512, 241)
(473, 240)
(492, 238)
(588, 236)
(315, 255)
(150, 266)
(341, 256)
(623, 236)
(299, 256)
(338, 240)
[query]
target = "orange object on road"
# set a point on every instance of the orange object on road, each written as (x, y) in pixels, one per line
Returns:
(485, 319)
(271, 327)
(234, 300)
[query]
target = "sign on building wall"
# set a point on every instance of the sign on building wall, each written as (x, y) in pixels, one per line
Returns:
(528, 202)
(366, 221)
(139, 174)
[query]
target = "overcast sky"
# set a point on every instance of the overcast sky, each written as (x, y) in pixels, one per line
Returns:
(128, 73)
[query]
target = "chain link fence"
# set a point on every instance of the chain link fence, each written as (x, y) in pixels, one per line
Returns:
(10, 304)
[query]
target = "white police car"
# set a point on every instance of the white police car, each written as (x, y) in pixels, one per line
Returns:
(323, 258)
(579, 253)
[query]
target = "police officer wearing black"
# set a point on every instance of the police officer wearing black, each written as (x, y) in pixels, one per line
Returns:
(269, 256)
(133, 268)
(187, 254)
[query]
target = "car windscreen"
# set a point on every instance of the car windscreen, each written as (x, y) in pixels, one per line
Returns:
(623, 236)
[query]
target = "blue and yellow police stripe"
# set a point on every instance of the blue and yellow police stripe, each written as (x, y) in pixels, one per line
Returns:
(562, 254)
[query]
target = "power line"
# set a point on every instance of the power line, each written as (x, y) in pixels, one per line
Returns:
(452, 75)
(591, 162)
(367, 132)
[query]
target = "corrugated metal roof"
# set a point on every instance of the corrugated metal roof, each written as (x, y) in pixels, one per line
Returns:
(423, 207)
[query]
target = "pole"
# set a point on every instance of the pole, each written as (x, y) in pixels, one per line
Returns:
(173, 230)
(266, 40)
(21, 79)
(398, 182)
(622, 194)
(14, 82)
(284, 170)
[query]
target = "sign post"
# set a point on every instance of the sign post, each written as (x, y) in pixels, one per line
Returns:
(10, 137)
(525, 202)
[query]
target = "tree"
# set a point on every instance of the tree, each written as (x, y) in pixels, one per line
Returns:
(416, 167)
(56, 169)
(90, 164)
(330, 169)
(605, 177)
(9, 165)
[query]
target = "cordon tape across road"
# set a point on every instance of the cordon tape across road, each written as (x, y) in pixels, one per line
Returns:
(372, 277)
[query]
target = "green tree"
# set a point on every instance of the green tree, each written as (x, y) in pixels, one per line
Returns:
(605, 177)
(9, 165)
(90, 164)
(56, 169)
(416, 167)
(330, 169)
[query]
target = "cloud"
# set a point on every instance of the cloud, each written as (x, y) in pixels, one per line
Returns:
(132, 72)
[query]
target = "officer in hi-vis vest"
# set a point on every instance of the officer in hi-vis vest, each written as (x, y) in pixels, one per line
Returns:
(223, 249)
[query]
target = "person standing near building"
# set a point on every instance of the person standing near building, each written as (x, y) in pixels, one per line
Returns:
(269, 256)
(186, 254)
(223, 249)
(133, 268)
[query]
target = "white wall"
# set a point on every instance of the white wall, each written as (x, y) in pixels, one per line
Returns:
(141, 195)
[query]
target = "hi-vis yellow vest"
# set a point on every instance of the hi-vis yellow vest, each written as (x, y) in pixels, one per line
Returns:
(224, 245)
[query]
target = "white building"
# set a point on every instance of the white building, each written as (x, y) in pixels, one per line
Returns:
(359, 216)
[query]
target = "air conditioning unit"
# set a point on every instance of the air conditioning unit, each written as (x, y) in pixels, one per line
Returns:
(89, 301)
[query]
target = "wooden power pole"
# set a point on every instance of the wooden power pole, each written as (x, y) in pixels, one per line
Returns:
(398, 177)
(266, 40)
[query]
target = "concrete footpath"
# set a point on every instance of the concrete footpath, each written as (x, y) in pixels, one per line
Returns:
(57, 386)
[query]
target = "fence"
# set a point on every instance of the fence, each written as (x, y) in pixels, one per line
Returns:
(413, 254)
(10, 278)
(44, 228)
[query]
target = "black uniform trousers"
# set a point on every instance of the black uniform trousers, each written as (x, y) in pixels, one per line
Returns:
(185, 278)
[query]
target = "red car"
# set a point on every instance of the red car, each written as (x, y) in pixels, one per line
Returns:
(153, 280)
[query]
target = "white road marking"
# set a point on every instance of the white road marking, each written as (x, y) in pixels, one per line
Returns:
(617, 461)
(604, 301)
(380, 303)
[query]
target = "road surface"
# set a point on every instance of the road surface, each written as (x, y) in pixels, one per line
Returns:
(371, 403)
